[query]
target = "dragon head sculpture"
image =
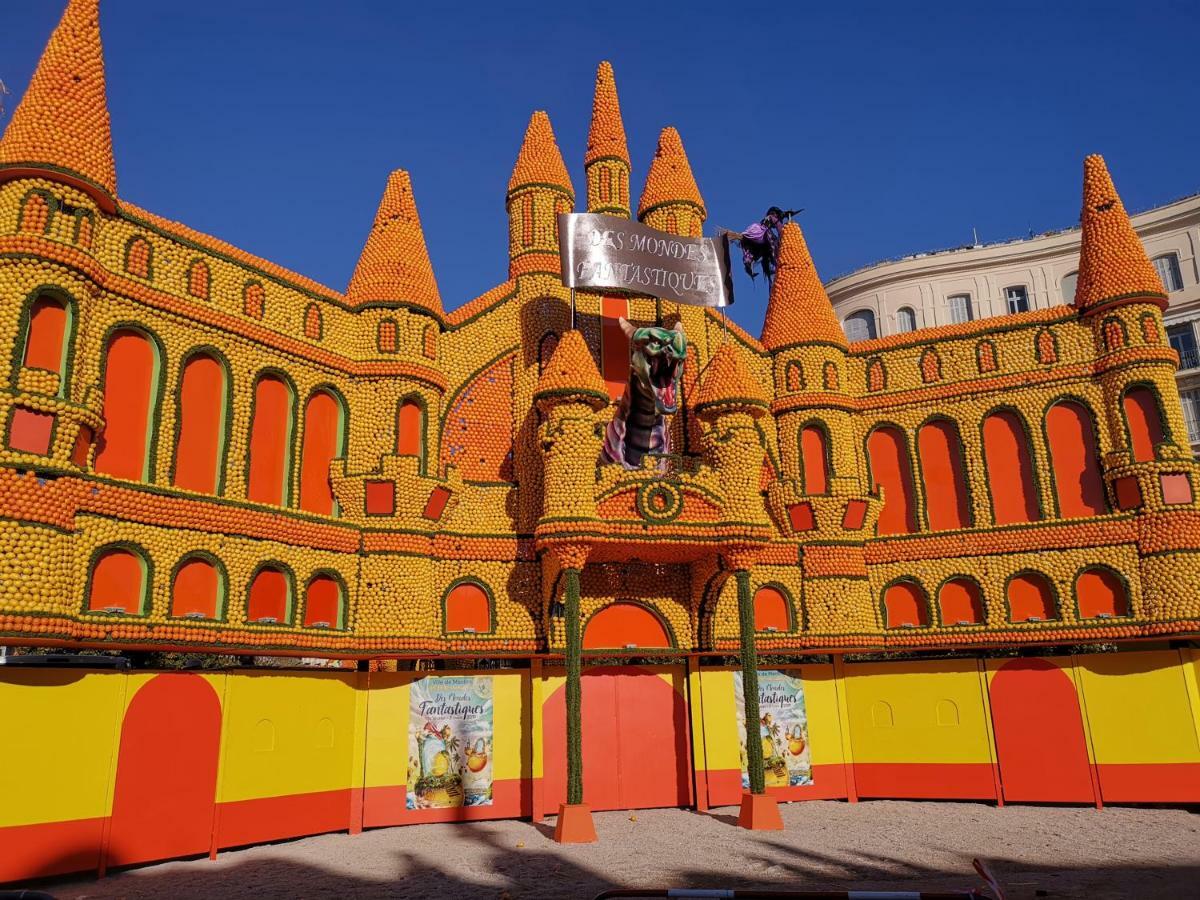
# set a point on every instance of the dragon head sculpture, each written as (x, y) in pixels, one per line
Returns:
(656, 358)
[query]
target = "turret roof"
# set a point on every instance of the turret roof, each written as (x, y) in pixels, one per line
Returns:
(394, 265)
(539, 160)
(62, 122)
(606, 137)
(670, 179)
(727, 383)
(571, 373)
(799, 311)
(1112, 260)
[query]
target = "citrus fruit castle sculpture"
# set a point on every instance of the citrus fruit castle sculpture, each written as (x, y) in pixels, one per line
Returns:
(203, 450)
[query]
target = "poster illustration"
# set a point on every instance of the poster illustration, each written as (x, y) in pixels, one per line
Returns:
(783, 730)
(450, 741)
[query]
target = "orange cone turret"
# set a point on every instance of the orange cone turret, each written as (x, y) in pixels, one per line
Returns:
(538, 191)
(671, 200)
(607, 159)
(799, 311)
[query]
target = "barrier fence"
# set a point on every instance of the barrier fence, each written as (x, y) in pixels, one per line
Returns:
(105, 768)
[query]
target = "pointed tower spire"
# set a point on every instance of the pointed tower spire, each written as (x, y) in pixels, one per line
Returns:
(571, 375)
(606, 162)
(799, 311)
(728, 386)
(670, 200)
(1113, 265)
(538, 191)
(394, 265)
(61, 128)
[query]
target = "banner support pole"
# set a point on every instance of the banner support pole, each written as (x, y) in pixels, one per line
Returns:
(572, 309)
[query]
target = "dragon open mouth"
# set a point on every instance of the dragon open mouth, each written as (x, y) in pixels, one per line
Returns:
(664, 381)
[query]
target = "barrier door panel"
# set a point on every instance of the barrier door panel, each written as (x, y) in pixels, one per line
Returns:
(166, 771)
(635, 740)
(1040, 739)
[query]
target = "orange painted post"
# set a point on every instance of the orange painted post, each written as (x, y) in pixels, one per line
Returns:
(760, 811)
(536, 756)
(358, 780)
(574, 824)
(991, 733)
(1093, 769)
(843, 708)
(699, 752)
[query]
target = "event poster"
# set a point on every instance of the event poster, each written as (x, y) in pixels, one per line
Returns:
(783, 729)
(450, 741)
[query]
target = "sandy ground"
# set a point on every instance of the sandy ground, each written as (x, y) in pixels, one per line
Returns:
(880, 845)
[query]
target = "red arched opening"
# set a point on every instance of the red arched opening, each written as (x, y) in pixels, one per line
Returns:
(1009, 469)
(201, 443)
(623, 625)
(961, 602)
(45, 341)
(324, 601)
(118, 582)
(1144, 422)
(166, 781)
(410, 429)
(1030, 596)
(814, 457)
(1040, 744)
(891, 469)
(1099, 592)
(943, 475)
(197, 590)
(270, 596)
(904, 603)
(130, 388)
(771, 610)
(1074, 460)
(270, 441)
(323, 430)
(468, 606)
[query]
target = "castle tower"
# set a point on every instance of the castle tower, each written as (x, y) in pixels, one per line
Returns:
(671, 200)
(61, 128)
(538, 191)
(820, 495)
(606, 162)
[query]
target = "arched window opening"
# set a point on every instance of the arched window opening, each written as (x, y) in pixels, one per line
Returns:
(1143, 421)
(203, 403)
(1101, 594)
(429, 347)
(625, 625)
(270, 597)
(270, 466)
(139, 258)
(120, 582)
(906, 319)
(793, 376)
(468, 608)
(47, 337)
(410, 428)
(314, 326)
(830, 377)
(254, 300)
(198, 280)
(325, 603)
(35, 214)
(943, 475)
(891, 469)
(1045, 347)
(1031, 598)
(876, 375)
(1068, 287)
(324, 433)
(1075, 460)
(772, 611)
(131, 376)
(961, 602)
(931, 366)
(387, 336)
(860, 326)
(84, 228)
(814, 459)
(985, 357)
(198, 591)
(1009, 466)
(905, 605)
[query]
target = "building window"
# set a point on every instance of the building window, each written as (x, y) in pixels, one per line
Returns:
(906, 319)
(960, 308)
(1167, 266)
(1183, 341)
(322, 443)
(200, 437)
(860, 326)
(1191, 414)
(325, 603)
(468, 607)
(1017, 299)
(271, 423)
(1068, 286)
(119, 582)
(131, 376)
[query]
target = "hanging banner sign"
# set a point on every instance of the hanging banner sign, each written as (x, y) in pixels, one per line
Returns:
(608, 252)
(782, 735)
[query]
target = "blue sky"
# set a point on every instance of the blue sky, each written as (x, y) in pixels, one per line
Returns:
(273, 123)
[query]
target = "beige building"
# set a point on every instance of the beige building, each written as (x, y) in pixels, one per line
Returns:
(947, 286)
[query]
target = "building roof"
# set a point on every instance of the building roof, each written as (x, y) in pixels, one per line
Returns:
(1112, 260)
(606, 137)
(670, 179)
(394, 265)
(571, 373)
(62, 122)
(727, 383)
(539, 160)
(799, 311)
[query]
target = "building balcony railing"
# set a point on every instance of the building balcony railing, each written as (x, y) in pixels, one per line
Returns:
(1189, 359)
